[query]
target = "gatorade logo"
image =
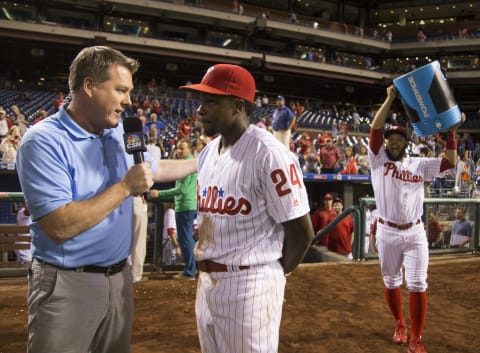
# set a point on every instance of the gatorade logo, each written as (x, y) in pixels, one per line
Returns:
(418, 96)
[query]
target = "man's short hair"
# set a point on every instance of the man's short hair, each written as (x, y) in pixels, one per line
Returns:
(94, 62)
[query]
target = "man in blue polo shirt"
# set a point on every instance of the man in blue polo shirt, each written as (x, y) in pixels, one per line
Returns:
(78, 183)
(462, 230)
(283, 120)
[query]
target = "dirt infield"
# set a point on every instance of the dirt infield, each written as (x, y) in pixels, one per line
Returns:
(329, 308)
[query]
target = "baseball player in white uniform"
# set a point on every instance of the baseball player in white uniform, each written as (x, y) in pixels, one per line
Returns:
(24, 256)
(398, 184)
(171, 249)
(253, 215)
(370, 219)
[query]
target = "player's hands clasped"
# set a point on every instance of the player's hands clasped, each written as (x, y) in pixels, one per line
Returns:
(139, 178)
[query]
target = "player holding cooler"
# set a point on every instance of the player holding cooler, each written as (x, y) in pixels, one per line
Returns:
(398, 184)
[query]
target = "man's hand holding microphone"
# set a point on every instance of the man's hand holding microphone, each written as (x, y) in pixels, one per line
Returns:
(139, 178)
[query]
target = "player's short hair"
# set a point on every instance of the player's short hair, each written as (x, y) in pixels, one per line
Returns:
(94, 62)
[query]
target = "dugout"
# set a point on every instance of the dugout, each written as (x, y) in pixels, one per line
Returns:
(350, 188)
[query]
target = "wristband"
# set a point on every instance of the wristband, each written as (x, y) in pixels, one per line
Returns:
(451, 142)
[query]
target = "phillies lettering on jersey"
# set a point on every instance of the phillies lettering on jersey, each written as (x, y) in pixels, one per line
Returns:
(403, 175)
(212, 200)
(399, 186)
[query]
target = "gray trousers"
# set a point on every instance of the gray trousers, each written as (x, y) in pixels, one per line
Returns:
(79, 312)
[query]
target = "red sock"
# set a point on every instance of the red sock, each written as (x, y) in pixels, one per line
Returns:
(394, 301)
(418, 312)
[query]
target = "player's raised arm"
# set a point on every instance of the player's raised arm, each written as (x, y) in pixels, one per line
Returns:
(451, 144)
(378, 123)
(379, 119)
(298, 238)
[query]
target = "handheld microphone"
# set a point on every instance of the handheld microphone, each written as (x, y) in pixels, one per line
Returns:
(134, 141)
(133, 138)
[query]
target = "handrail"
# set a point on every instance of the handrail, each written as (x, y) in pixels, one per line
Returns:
(367, 201)
(356, 229)
(11, 196)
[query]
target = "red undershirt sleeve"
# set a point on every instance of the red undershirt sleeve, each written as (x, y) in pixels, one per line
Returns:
(376, 140)
(445, 165)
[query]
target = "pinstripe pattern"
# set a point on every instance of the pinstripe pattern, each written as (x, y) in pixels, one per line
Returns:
(408, 247)
(399, 194)
(255, 237)
(243, 196)
(399, 186)
(240, 312)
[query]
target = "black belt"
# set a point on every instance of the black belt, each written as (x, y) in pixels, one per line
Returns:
(399, 226)
(107, 270)
(211, 266)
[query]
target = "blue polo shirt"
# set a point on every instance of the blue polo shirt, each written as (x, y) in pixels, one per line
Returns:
(282, 118)
(59, 162)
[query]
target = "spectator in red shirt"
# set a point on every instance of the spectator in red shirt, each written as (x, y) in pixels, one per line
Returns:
(5, 123)
(58, 101)
(435, 231)
(152, 86)
(184, 128)
(344, 128)
(305, 143)
(421, 37)
(322, 217)
(298, 109)
(156, 107)
(341, 235)
(350, 162)
(235, 6)
(330, 157)
(43, 114)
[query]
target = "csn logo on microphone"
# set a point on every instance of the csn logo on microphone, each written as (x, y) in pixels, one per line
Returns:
(133, 143)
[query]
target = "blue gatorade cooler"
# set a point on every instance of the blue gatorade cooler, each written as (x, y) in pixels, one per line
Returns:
(428, 100)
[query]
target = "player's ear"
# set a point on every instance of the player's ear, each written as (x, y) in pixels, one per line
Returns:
(238, 105)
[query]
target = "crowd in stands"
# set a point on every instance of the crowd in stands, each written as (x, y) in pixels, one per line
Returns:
(440, 31)
(326, 139)
(334, 141)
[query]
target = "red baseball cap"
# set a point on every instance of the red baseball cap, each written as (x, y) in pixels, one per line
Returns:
(395, 130)
(227, 80)
(328, 197)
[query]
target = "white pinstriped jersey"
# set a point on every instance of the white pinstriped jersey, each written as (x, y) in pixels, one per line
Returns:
(243, 194)
(168, 223)
(399, 186)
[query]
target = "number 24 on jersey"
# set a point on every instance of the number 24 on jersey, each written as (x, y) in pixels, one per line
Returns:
(281, 180)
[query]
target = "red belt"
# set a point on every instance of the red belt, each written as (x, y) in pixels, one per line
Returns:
(211, 266)
(399, 226)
